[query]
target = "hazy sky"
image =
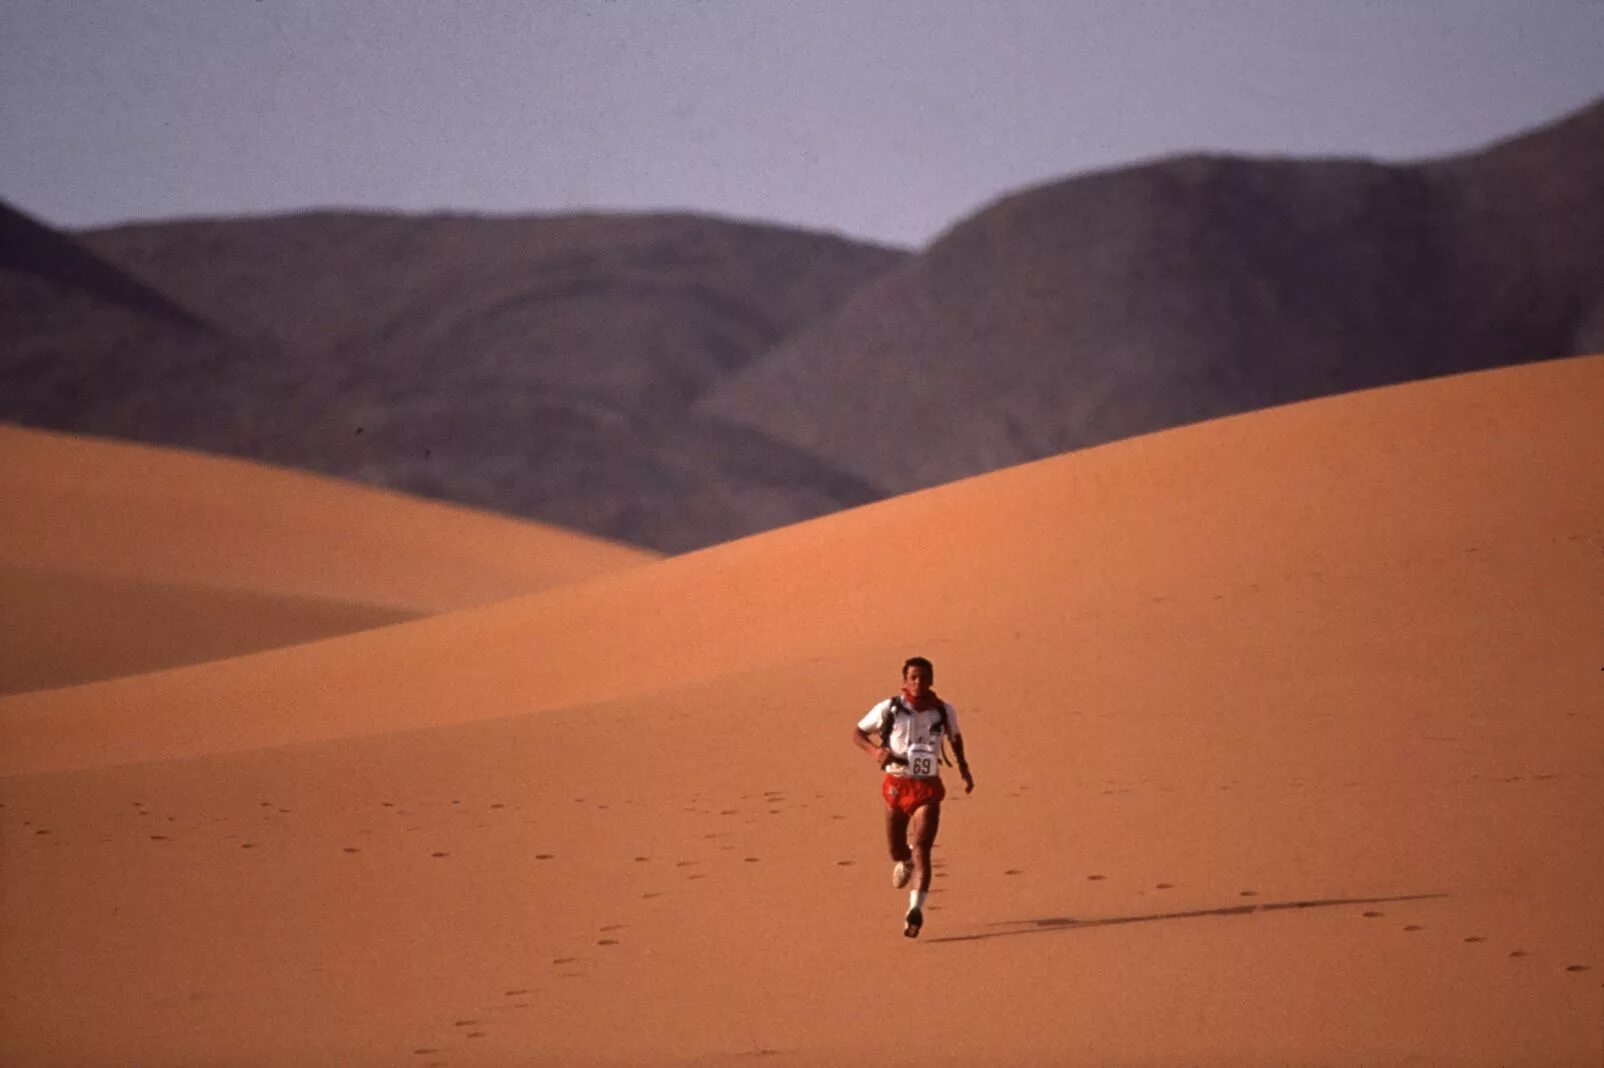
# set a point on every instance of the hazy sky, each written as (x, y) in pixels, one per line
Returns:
(876, 118)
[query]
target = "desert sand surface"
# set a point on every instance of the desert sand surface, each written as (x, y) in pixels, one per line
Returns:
(117, 558)
(1287, 730)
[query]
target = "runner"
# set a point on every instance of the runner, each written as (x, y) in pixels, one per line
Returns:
(911, 727)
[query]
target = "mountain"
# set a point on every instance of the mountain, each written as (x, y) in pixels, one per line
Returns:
(1127, 301)
(543, 367)
(675, 381)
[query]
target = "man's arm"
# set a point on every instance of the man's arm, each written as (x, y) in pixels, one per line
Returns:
(963, 763)
(860, 738)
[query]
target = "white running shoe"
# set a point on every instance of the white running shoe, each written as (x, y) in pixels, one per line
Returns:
(901, 872)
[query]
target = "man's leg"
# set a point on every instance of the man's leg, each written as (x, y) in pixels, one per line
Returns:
(922, 827)
(897, 834)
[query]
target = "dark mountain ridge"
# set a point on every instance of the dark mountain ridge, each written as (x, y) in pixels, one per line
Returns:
(541, 366)
(1131, 300)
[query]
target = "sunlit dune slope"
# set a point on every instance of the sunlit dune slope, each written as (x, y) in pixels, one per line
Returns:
(1287, 729)
(117, 557)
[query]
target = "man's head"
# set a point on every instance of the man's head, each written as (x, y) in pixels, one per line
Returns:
(917, 675)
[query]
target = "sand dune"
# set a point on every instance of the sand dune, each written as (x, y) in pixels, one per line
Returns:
(117, 557)
(1287, 729)
(65, 627)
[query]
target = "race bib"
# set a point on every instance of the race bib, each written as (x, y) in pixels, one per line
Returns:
(922, 760)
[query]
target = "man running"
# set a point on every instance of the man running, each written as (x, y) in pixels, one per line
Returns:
(911, 727)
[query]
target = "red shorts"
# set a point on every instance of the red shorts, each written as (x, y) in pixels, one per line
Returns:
(905, 794)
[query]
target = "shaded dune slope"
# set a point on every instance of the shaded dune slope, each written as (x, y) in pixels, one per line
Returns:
(117, 557)
(1123, 302)
(1281, 723)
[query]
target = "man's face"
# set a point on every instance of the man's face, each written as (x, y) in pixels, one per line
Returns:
(916, 680)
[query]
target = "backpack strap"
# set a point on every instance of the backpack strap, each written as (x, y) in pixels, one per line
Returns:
(888, 720)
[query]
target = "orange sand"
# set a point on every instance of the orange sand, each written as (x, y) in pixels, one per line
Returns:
(1288, 733)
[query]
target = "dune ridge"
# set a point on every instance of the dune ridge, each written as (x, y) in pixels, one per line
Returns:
(151, 512)
(118, 558)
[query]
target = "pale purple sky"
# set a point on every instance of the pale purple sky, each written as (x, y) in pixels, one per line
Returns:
(887, 120)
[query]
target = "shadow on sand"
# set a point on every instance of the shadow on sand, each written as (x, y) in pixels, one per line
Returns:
(1069, 923)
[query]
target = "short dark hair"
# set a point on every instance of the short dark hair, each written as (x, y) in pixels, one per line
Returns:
(919, 662)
